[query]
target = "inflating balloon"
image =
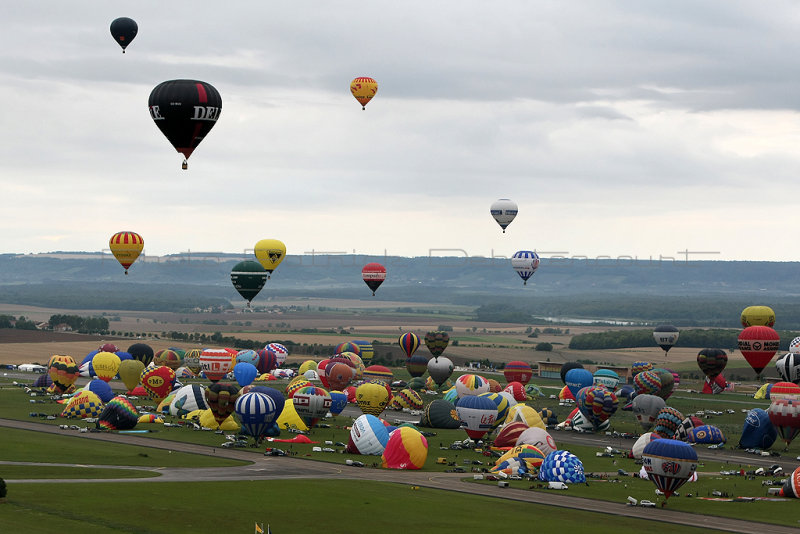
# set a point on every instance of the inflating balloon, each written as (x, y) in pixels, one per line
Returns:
(158, 381)
(518, 371)
(83, 404)
(130, 371)
(221, 399)
(562, 466)
(363, 89)
(244, 373)
(578, 379)
(169, 358)
(185, 111)
(311, 404)
(440, 368)
(469, 384)
(597, 404)
(126, 247)
(406, 449)
(667, 422)
(142, 352)
(417, 365)
(368, 435)
(256, 412)
(124, 30)
(712, 361)
(606, 378)
(758, 431)
(784, 415)
(188, 399)
(372, 398)
(440, 413)
(63, 371)
(788, 367)
(118, 414)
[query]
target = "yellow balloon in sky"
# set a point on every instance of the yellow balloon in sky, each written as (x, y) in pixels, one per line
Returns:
(363, 89)
(130, 371)
(106, 365)
(270, 253)
(126, 247)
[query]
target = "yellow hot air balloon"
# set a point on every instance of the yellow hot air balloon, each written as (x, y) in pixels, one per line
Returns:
(372, 398)
(130, 371)
(758, 316)
(126, 247)
(106, 365)
(363, 89)
(270, 254)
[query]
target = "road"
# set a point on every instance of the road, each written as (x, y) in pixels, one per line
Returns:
(271, 468)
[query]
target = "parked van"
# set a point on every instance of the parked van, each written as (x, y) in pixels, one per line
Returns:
(556, 485)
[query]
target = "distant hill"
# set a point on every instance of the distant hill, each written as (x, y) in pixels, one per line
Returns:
(693, 292)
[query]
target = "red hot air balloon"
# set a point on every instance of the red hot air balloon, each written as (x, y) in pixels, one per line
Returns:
(518, 371)
(373, 275)
(185, 111)
(758, 345)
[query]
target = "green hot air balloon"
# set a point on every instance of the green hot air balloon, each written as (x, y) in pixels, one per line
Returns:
(436, 342)
(248, 277)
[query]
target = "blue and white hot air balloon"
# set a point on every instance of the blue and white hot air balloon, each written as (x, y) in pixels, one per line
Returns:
(257, 412)
(525, 262)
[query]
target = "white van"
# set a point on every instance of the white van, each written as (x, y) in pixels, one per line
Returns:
(557, 485)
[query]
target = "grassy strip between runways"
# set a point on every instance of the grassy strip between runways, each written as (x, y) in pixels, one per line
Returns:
(288, 506)
(41, 472)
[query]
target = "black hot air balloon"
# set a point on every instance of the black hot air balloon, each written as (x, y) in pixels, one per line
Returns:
(123, 30)
(248, 277)
(712, 362)
(185, 111)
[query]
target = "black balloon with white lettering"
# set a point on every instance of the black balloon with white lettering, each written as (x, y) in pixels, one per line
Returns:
(185, 111)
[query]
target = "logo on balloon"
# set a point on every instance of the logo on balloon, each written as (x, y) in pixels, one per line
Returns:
(155, 381)
(670, 467)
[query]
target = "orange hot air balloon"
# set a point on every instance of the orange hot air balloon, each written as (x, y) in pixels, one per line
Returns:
(126, 247)
(363, 89)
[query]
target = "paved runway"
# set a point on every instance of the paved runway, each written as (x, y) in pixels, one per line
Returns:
(271, 468)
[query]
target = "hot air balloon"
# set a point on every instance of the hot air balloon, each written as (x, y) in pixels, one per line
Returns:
(597, 404)
(130, 371)
(688, 423)
(539, 438)
(63, 371)
(373, 275)
(406, 399)
(525, 263)
(256, 412)
(437, 341)
(470, 384)
(126, 247)
(169, 358)
(339, 374)
(518, 371)
(100, 388)
(705, 435)
(788, 367)
(379, 372)
(666, 336)
(477, 415)
(517, 391)
(244, 373)
(503, 211)
(84, 404)
(372, 398)
(215, 363)
(185, 111)
(142, 352)
(758, 316)
(654, 382)
(248, 278)
(758, 345)
(106, 365)
(578, 379)
(124, 30)
(646, 407)
(221, 399)
(118, 414)
(758, 431)
(363, 89)
(606, 378)
(368, 435)
(669, 464)
(562, 466)
(791, 488)
(667, 421)
(311, 404)
(712, 361)
(158, 381)
(409, 342)
(567, 367)
(188, 399)
(502, 405)
(440, 413)
(714, 386)
(270, 254)
(784, 390)
(440, 369)
(640, 367)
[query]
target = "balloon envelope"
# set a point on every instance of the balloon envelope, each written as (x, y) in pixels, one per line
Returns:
(562, 466)
(124, 30)
(245, 373)
(185, 111)
(669, 463)
(758, 316)
(409, 342)
(440, 413)
(440, 369)
(437, 341)
(248, 278)
(372, 398)
(270, 253)
(130, 371)
(503, 211)
(363, 89)
(406, 449)
(758, 431)
(477, 415)
(106, 365)
(256, 412)
(578, 379)
(758, 344)
(373, 275)
(518, 371)
(666, 336)
(712, 361)
(118, 414)
(369, 435)
(126, 247)
(525, 263)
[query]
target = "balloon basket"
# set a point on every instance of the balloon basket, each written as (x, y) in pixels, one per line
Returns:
(185, 165)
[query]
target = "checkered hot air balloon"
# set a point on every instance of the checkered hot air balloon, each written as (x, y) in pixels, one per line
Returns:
(562, 466)
(525, 263)
(784, 414)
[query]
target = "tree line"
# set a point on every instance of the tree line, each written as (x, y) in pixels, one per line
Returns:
(83, 325)
(699, 338)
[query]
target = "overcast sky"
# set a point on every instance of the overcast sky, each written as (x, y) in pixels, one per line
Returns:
(636, 128)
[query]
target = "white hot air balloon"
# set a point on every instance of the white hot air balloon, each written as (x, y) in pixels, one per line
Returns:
(503, 211)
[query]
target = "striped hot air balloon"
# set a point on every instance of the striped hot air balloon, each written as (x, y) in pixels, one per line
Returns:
(126, 247)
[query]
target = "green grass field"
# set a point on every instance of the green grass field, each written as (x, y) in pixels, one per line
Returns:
(69, 448)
